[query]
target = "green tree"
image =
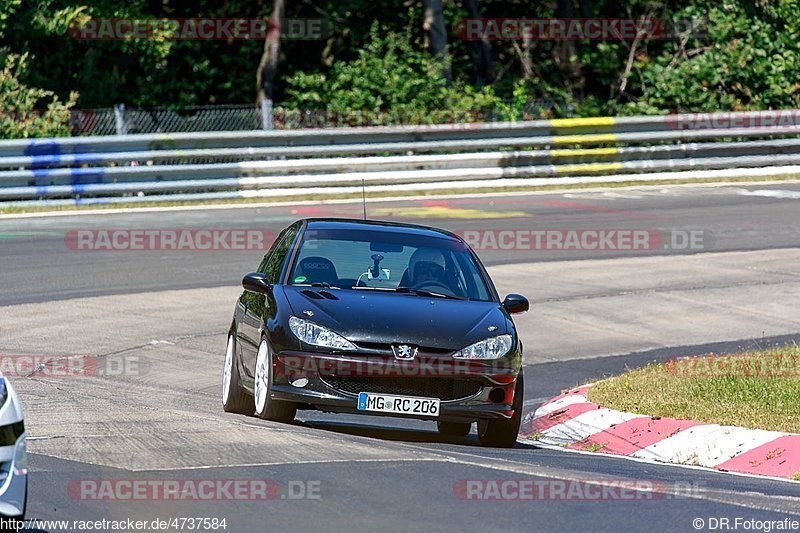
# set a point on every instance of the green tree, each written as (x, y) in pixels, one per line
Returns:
(745, 56)
(391, 81)
(27, 111)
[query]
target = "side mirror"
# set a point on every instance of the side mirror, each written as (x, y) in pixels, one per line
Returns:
(516, 303)
(256, 282)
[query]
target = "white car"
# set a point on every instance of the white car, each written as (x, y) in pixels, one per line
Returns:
(13, 455)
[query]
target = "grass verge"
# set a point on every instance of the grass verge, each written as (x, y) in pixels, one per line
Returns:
(389, 194)
(758, 389)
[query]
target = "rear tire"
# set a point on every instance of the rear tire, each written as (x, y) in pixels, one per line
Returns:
(502, 433)
(454, 429)
(234, 399)
(267, 408)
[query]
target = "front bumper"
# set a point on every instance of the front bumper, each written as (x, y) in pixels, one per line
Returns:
(14, 485)
(468, 390)
(13, 456)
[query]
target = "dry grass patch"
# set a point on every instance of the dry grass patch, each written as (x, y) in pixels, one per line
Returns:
(758, 389)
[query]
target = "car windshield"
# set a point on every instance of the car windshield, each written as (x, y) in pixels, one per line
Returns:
(388, 261)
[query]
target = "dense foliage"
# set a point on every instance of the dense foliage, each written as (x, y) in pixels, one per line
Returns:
(720, 55)
(26, 111)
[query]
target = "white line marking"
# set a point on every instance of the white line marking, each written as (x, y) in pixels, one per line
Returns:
(505, 465)
(401, 198)
(557, 448)
(287, 463)
(713, 495)
(782, 194)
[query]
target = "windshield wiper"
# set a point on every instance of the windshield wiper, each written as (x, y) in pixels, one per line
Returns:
(423, 292)
(323, 284)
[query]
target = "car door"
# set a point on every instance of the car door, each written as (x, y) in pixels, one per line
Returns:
(255, 306)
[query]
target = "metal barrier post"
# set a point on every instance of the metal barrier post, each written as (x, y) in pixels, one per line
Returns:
(119, 115)
(266, 114)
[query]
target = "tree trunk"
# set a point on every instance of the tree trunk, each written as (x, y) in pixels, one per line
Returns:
(525, 54)
(436, 35)
(268, 67)
(481, 49)
(566, 53)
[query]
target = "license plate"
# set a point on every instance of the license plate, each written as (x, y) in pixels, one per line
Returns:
(388, 403)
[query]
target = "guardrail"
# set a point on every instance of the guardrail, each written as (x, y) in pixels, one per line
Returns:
(219, 165)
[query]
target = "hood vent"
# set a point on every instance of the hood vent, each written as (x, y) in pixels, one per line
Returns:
(312, 294)
(329, 295)
(321, 295)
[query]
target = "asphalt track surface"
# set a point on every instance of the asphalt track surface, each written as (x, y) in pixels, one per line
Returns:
(367, 473)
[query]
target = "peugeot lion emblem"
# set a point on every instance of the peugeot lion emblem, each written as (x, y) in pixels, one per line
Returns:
(404, 352)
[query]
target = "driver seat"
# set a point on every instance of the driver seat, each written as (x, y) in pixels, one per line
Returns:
(318, 270)
(405, 279)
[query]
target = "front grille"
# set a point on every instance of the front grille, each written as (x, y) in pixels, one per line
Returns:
(422, 351)
(443, 388)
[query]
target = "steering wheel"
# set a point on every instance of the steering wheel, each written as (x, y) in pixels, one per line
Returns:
(432, 283)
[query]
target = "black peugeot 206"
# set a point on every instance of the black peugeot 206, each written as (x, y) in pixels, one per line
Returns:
(377, 318)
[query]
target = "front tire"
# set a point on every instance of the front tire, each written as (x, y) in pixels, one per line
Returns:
(234, 399)
(502, 433)
(267, 408)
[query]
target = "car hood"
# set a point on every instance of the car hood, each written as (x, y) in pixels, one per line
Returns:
(387, 317)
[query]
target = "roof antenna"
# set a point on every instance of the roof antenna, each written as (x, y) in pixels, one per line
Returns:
(364, 197)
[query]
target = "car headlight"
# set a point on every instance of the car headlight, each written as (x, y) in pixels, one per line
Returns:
(491, 348)
(312, 333)
(3, 391)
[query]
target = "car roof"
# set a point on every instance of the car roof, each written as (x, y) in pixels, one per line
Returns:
(379, 225)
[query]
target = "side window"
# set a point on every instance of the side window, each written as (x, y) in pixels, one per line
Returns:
(457, 275)
(262, 267)
(476, 287)
(273, 263)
